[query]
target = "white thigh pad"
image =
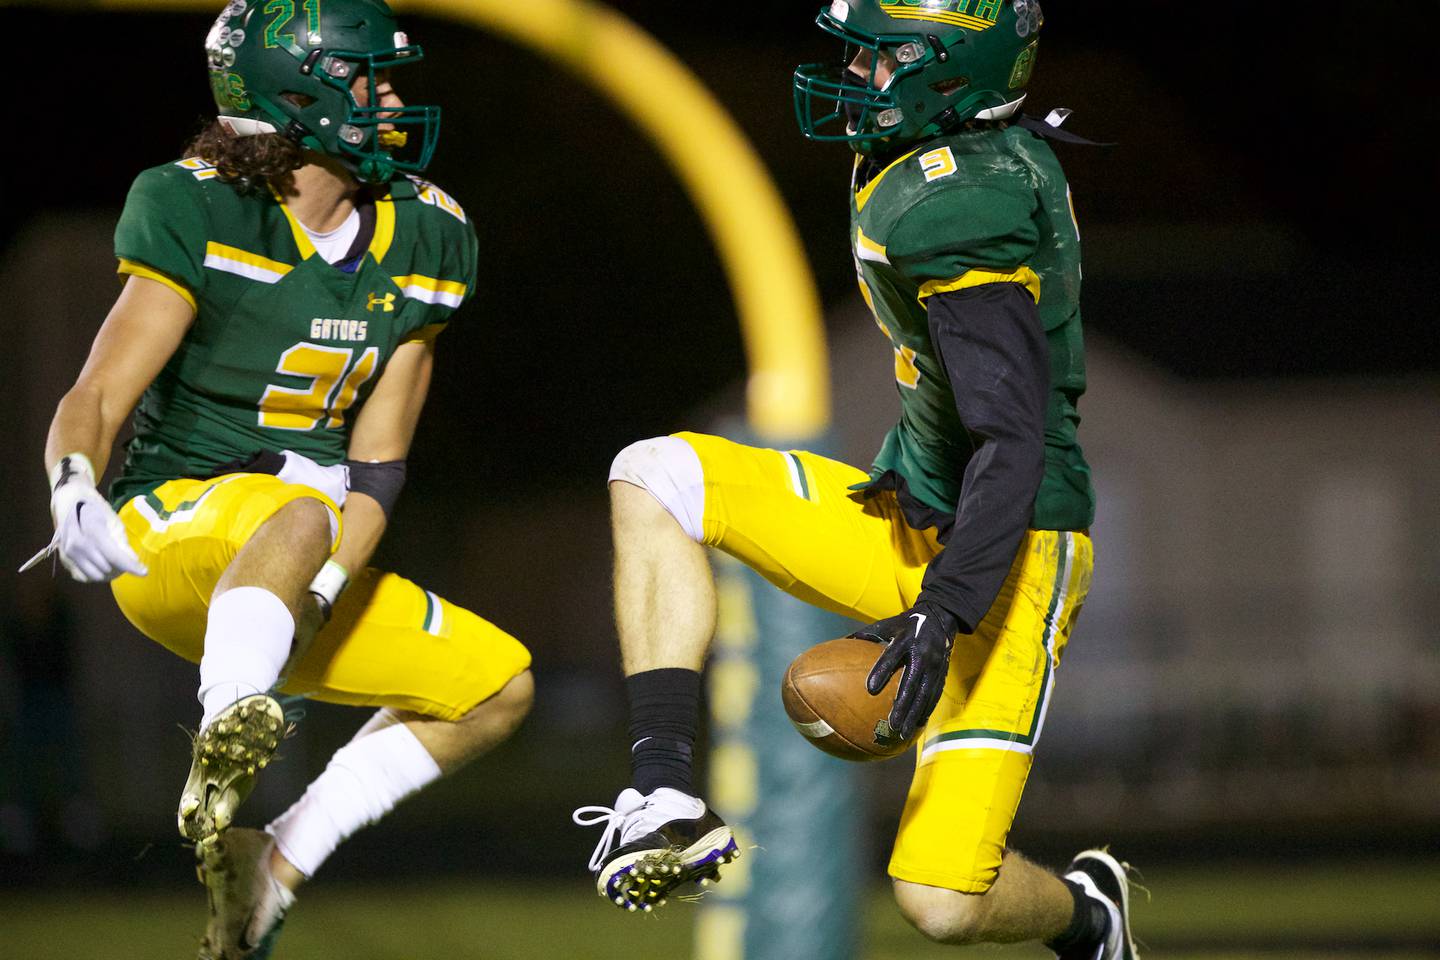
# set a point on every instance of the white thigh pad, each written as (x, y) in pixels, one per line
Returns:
(670, 470)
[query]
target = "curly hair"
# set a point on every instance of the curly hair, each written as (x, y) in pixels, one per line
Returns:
(249, 162)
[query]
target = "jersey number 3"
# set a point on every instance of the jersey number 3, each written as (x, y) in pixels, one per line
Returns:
(335, 381)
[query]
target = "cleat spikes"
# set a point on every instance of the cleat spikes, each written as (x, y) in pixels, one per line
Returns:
(673, 841)
(227, 755)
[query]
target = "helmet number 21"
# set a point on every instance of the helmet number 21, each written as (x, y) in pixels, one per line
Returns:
(334, 384)
(284, 12)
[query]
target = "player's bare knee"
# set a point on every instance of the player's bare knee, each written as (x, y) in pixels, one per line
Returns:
(944, 916)
(669, 471)
(499, 715)
(306, 520)
(513, 702)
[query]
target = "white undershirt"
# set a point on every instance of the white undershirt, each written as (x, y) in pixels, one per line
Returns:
(332, 246)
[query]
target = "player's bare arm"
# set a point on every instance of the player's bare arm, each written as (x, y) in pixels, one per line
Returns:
(380, 443)
(138, 337)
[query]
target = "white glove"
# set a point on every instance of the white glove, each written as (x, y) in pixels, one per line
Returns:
(333, 481)
(89, 537)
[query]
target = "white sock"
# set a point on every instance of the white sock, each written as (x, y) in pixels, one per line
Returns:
(247, 640)
(363, 781)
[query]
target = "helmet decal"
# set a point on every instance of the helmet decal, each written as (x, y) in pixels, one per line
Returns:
(1028, 18)
(956, 12)
(313, 71)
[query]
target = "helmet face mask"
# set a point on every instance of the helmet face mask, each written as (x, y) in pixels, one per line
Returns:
(278, 69)
(953, 60)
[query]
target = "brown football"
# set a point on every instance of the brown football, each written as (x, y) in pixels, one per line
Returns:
(825, 696)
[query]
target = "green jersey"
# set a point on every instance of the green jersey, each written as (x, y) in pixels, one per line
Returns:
(285, 347)
(984, 206)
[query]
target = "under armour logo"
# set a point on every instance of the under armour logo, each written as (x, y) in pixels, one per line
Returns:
(387, 302)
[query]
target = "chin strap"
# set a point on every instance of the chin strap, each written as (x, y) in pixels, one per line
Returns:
(1049, 128)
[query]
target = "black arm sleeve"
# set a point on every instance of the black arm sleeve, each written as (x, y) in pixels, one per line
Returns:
(380, 479)
(991, 344)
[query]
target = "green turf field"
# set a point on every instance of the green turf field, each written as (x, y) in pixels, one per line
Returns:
(1349, 910)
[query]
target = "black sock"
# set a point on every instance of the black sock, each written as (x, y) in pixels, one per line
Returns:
(1087, 924)
(664, 715)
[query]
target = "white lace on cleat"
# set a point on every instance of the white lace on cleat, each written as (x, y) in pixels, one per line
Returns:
(634, 815)
(653, 844)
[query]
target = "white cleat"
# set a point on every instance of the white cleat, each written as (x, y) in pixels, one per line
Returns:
(1106, 880)
(666, 839)
(226, 757)
(247, 903)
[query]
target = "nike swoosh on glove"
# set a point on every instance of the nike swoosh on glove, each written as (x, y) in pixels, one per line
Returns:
(918, 640)
(89, 537)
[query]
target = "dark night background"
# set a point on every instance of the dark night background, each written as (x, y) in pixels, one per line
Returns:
(1268, 211)
(1266, 221)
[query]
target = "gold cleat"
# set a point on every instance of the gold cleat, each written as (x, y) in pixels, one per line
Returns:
(227, 755)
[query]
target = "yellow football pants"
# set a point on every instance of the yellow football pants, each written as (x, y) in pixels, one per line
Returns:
(791, 516)
(389, 643)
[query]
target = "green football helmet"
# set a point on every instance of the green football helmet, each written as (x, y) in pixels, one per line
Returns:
(288, 66)
(954, 60)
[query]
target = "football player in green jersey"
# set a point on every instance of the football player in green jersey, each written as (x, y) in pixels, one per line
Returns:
(284, 285)
(965, 546)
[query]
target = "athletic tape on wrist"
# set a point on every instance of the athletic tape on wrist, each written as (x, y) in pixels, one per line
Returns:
(70, 468)
(328, 585)
(330, 581)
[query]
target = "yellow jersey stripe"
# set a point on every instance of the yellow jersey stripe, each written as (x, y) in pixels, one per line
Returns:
(384, 228)
(243, 263)
(425, 334)
(867, 249)
(302, 240)
(863, 196)
(431, 290)
(979, 277)
(134, 269)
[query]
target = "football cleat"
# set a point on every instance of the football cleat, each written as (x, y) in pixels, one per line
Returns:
(666, 839)
(247, 903)
(227, 755)
(1105, 879)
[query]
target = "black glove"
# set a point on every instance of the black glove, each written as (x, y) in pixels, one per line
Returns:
(919, 640)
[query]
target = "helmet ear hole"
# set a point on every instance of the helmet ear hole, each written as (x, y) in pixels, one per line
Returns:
(301, 100)
(953, 85)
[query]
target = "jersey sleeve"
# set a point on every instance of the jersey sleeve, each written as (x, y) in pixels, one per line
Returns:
(444, 265)
(162, 231)
(968, 234)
